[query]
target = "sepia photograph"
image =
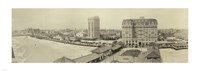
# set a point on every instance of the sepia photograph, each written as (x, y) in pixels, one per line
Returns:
(99, 35)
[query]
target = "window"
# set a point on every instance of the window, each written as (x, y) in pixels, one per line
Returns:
(142, 23)
(138, 23)
(152, 32)
(126, 21)
(146, 23)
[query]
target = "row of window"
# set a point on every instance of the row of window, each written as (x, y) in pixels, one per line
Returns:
(142, 39)
(141, 23)
(140, 29)
(134, 43)
(139, 35)
(140, 20)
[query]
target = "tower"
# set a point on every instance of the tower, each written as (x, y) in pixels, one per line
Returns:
(94, 27)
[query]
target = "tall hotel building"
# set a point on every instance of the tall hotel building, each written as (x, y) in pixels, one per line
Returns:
(94, 27)
(139, 31)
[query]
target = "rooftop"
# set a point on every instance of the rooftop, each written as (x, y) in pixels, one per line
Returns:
(94, 17)
(116, 47)
(87, 58)
(140, 18)
(64, 60)
(152, 52)
(101, 49)
(153, 61)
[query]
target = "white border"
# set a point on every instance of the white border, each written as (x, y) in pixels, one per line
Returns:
(6, 21)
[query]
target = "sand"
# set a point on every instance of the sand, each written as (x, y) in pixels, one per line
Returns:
(31, 50)
(174, 56)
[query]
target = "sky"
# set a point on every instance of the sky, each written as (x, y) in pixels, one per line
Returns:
(110, 18)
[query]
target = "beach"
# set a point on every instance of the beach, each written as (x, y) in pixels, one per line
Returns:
(174, 56)
(32, 50)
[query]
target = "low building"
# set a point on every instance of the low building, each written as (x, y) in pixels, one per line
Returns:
(173, 43)
(104, 51)
(116, 48)
(88, 38)
(91, 58)
(107, 50)
(108, 42)
(152, 55)
(64, 60)
(171, 38)
(81, 34)
(165, 44)
(57, 37)
(180, 45)
(74, 39)
(109, 36)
